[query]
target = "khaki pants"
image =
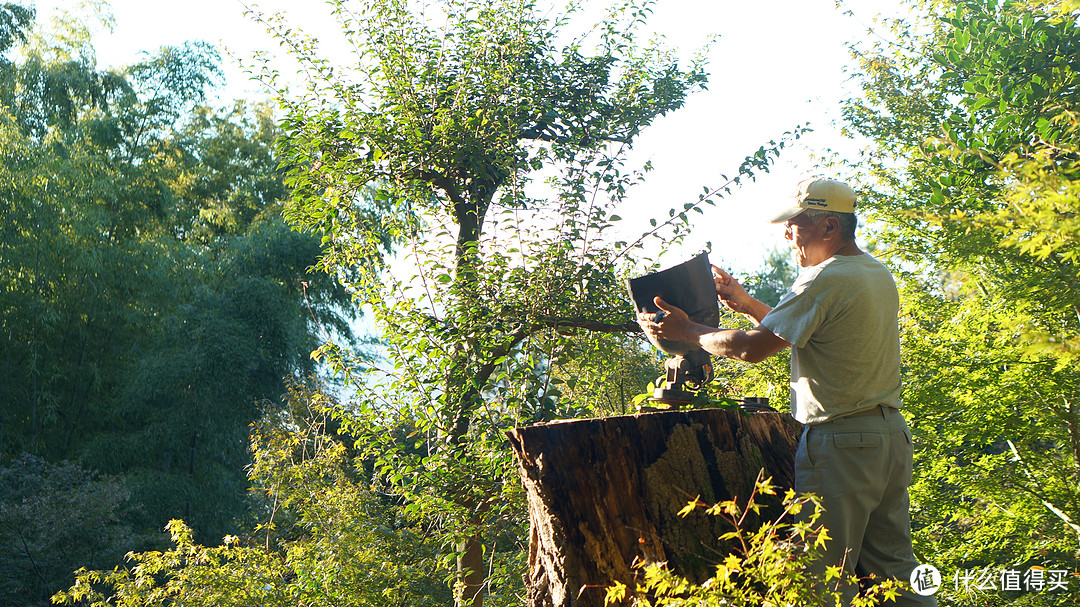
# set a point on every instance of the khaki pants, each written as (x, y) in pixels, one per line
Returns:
(860, 466)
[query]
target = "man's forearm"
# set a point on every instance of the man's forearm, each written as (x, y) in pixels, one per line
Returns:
(752, 346)
(756, 311)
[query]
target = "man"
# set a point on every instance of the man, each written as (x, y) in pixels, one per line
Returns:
(840, 319)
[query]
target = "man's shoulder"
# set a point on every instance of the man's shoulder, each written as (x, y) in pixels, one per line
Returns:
(852, 265)
(851, 261)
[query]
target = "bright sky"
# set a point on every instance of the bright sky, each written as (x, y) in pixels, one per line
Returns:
(775, 65)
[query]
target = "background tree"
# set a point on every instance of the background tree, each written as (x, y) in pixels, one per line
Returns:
(972, 115)
(55, 518)
(152, 300)
(488, 143)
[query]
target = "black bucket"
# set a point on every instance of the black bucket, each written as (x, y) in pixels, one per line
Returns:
(688, 286)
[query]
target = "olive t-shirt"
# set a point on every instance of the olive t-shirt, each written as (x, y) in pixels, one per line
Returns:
(840, 318)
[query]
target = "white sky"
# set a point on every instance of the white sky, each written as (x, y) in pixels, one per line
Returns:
(775, 65)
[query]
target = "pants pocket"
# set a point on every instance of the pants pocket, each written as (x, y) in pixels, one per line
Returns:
(858, 440)
(803, 459)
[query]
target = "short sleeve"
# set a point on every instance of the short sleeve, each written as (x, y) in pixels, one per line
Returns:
(800, 311)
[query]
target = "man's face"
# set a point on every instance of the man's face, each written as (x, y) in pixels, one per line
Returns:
(806, 239)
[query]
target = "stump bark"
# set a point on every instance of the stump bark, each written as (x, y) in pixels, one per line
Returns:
(603, 494)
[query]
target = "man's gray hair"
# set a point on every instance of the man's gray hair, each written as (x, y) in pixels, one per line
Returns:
(848, 221)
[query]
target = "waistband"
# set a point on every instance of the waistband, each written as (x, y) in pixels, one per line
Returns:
(866, 418)
(882, 410)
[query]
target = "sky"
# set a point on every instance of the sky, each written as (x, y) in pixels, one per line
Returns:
(774, 65)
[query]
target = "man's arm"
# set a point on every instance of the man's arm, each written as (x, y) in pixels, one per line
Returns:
(752, 346)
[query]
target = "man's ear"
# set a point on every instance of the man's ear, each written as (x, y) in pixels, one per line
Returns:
(832, 227)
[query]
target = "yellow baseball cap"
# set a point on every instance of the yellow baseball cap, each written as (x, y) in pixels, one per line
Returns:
(822, 194)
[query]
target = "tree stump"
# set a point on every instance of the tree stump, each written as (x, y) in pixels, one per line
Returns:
(605, 493)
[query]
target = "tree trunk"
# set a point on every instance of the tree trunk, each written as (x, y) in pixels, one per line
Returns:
(471, 574)
(603, 494)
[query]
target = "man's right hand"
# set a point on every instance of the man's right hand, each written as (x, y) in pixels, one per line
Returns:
(670, 324)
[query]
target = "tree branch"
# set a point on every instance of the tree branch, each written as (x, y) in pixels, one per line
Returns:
(1074, 433)
(1034, 490)
(559, 322)
(442, 182)
(584, 140)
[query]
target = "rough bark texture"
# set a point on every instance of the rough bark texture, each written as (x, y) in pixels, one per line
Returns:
(604, 493)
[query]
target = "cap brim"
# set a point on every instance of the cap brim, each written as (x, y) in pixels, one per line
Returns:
(787, 214)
